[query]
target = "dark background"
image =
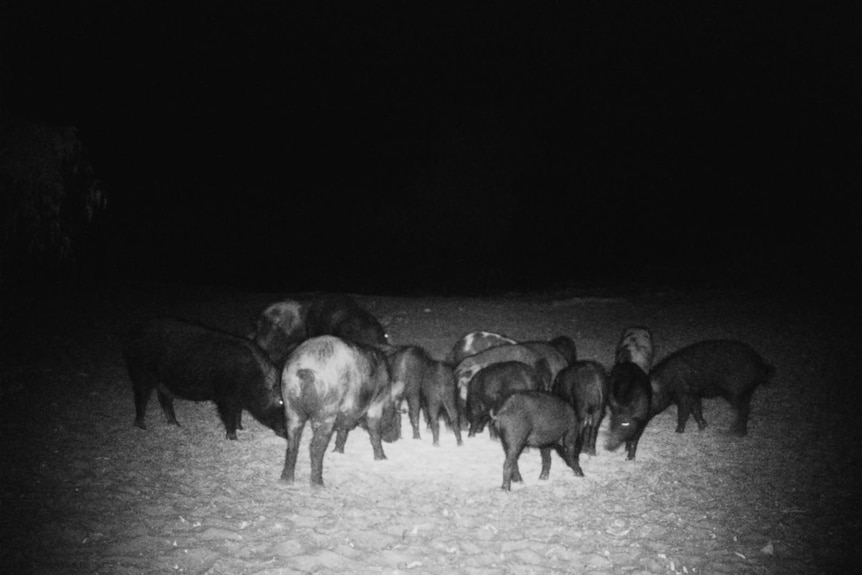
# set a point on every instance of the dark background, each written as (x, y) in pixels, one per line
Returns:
(394, 147)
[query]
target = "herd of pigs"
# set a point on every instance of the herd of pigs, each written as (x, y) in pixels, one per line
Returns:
(328, 361)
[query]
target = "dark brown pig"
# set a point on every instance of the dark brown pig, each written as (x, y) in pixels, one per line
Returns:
(183, 360)
(717, 368)
(428, 384)
(585, 386)
(341, 316)
(492, 385)
(537, 419)
(279, 329)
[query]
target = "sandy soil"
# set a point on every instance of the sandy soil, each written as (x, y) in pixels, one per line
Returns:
(83, 491)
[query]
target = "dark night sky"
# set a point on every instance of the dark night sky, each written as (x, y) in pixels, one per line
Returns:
(386, 146)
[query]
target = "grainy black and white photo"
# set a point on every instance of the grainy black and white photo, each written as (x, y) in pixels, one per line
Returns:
(433, 288)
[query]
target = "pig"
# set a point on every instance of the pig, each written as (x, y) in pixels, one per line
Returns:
(585, 386)
(337, 385)
(538, 419)
(567, 348)
(716, 368)
(556, 360)
(428, 384)
(341, 316)
(470, 366)
(636, 346)
(279, 329)
(192, 362)
(629, 402)
(493, 384)
(476, 342)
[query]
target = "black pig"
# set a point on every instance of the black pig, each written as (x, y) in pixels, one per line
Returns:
(337, 385)
(585, 386)
(341, 316)
(279, 329)
(183, 360)
(557, 362)
(427, 383)
(717, 368)
(629, 403)
(538, 419)
(493, 384)
(566, 346)
(470, 366)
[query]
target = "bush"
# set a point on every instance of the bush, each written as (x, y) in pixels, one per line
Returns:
(49, 196)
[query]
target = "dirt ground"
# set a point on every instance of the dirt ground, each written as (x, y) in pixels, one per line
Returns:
(83, 491)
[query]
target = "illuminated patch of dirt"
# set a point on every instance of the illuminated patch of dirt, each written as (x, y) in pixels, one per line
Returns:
(86, 492)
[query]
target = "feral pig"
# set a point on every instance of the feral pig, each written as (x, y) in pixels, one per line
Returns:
(341, 316)
(538, 419)
(493, 384)
(476, 342)
(629, 403)
(191, 362)
(717, 368)
(428, 384)
(566, 346)
(337, 385)
(279, 329)
(556, 360)
(470, 366)
(636, 346)
(585, 386)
